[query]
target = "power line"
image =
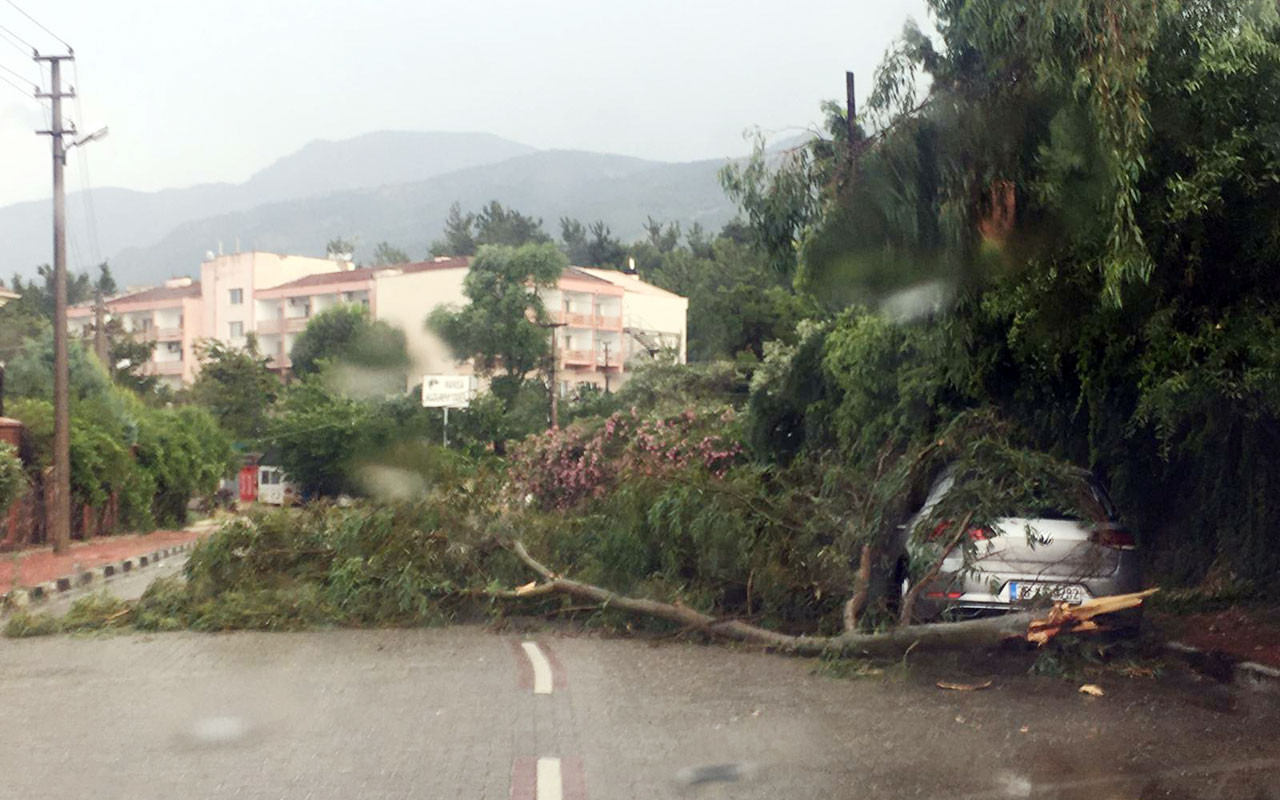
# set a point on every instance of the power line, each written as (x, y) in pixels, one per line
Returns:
(40, 26)
(86, 185)
(19, 38)
(16, 46)
(25, 92)
(16, 74)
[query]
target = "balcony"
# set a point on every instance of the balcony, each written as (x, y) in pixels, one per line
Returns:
(267, 327)
(611, 322)
(279, 362)
(574, 319)
(578, 358)
(166, 334)
(173, 367)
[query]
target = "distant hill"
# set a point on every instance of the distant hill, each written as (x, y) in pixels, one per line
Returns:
(128, 219)
(549, 184)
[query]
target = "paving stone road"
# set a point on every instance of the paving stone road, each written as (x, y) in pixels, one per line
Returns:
(451, 713)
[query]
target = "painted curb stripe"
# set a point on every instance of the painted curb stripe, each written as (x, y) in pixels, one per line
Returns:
(541, 668)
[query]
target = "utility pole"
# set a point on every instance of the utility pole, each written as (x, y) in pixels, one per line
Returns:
(59, 515)
(555, 357)
(606, 366)
(100, 331)
(850, 112)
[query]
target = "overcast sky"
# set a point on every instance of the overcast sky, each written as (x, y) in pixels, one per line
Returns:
(212, 91)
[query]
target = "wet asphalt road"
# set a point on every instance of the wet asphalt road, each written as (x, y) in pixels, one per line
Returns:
(453, 713)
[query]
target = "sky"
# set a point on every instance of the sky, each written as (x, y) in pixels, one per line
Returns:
(198, 92)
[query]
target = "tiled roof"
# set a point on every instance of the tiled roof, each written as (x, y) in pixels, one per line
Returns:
(159, 293)
(367, 273)
(627, 281)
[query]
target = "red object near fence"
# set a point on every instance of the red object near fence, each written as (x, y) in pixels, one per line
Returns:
(248, 484)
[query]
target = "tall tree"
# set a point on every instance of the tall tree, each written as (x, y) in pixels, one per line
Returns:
(237, 386)
(385, 255)
(498, 330)
(340, 249)
(573, 238)
(506, 226)
(346, 335)
(106, 282)
(459, 234)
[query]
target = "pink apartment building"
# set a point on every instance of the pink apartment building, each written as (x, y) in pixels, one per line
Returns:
(169, 315)
(607, 318)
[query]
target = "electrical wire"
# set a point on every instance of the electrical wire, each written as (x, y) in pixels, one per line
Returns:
(86, 184)
(40, 26)
(25, 92)
(15, 74)
(16, 46)
(29, 45)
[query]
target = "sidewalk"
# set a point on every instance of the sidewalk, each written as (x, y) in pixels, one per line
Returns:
(27, 568)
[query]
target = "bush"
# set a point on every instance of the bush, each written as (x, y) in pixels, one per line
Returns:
(12, 479)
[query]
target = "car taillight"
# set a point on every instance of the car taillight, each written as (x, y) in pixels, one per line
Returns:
(1113, 539)
(977, 533)
(944, 595)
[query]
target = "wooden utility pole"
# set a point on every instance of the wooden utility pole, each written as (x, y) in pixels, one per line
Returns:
(850, 113)
(59, 512)
(555, 358)
(606, 367)
(100, 330)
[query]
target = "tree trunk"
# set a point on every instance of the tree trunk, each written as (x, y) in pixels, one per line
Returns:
(936, 636)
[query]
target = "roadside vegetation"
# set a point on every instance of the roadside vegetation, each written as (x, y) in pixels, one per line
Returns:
(1088, 284)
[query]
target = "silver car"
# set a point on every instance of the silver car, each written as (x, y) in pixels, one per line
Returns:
(1018, 561)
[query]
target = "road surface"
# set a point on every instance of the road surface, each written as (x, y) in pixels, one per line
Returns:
(464, 712)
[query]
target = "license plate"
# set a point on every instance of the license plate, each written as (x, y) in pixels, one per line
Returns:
(1058, 592)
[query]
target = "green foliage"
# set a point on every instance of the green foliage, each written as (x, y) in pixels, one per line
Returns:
(12, 479)
(499, 328)
(596, 247)
(385, 255)
(318, 434)
(185, 453)
(459, 238)
(346, 335)
(30, 373)
(94, 612)
(236, 386)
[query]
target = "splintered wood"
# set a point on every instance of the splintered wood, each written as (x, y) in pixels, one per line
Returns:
(1066, 618)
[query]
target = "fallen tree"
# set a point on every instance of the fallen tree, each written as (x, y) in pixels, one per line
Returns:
(985, 632)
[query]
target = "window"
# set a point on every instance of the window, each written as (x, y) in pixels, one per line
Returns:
(174, 347)
(235, 329)
(235, 297)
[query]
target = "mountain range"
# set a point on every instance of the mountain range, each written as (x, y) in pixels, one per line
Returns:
(385, 186)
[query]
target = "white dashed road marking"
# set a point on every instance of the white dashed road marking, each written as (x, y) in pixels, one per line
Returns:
(550, 786)
(541, 677)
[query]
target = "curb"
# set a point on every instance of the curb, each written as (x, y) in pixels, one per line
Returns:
(1246, 674)
(22, 598)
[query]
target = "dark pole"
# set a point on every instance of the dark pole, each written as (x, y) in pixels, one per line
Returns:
(850, 112)
(100, 331)
(606, 367)
(59, 515)
(555, 395)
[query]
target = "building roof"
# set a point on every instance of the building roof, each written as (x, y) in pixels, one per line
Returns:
(368, 273)
(580, 272)
(628, 281)
(155, 294)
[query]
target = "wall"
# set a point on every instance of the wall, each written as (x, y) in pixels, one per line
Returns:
(404, 300)
(249, 272)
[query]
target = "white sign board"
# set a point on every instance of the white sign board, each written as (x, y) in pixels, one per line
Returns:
(447, 391)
